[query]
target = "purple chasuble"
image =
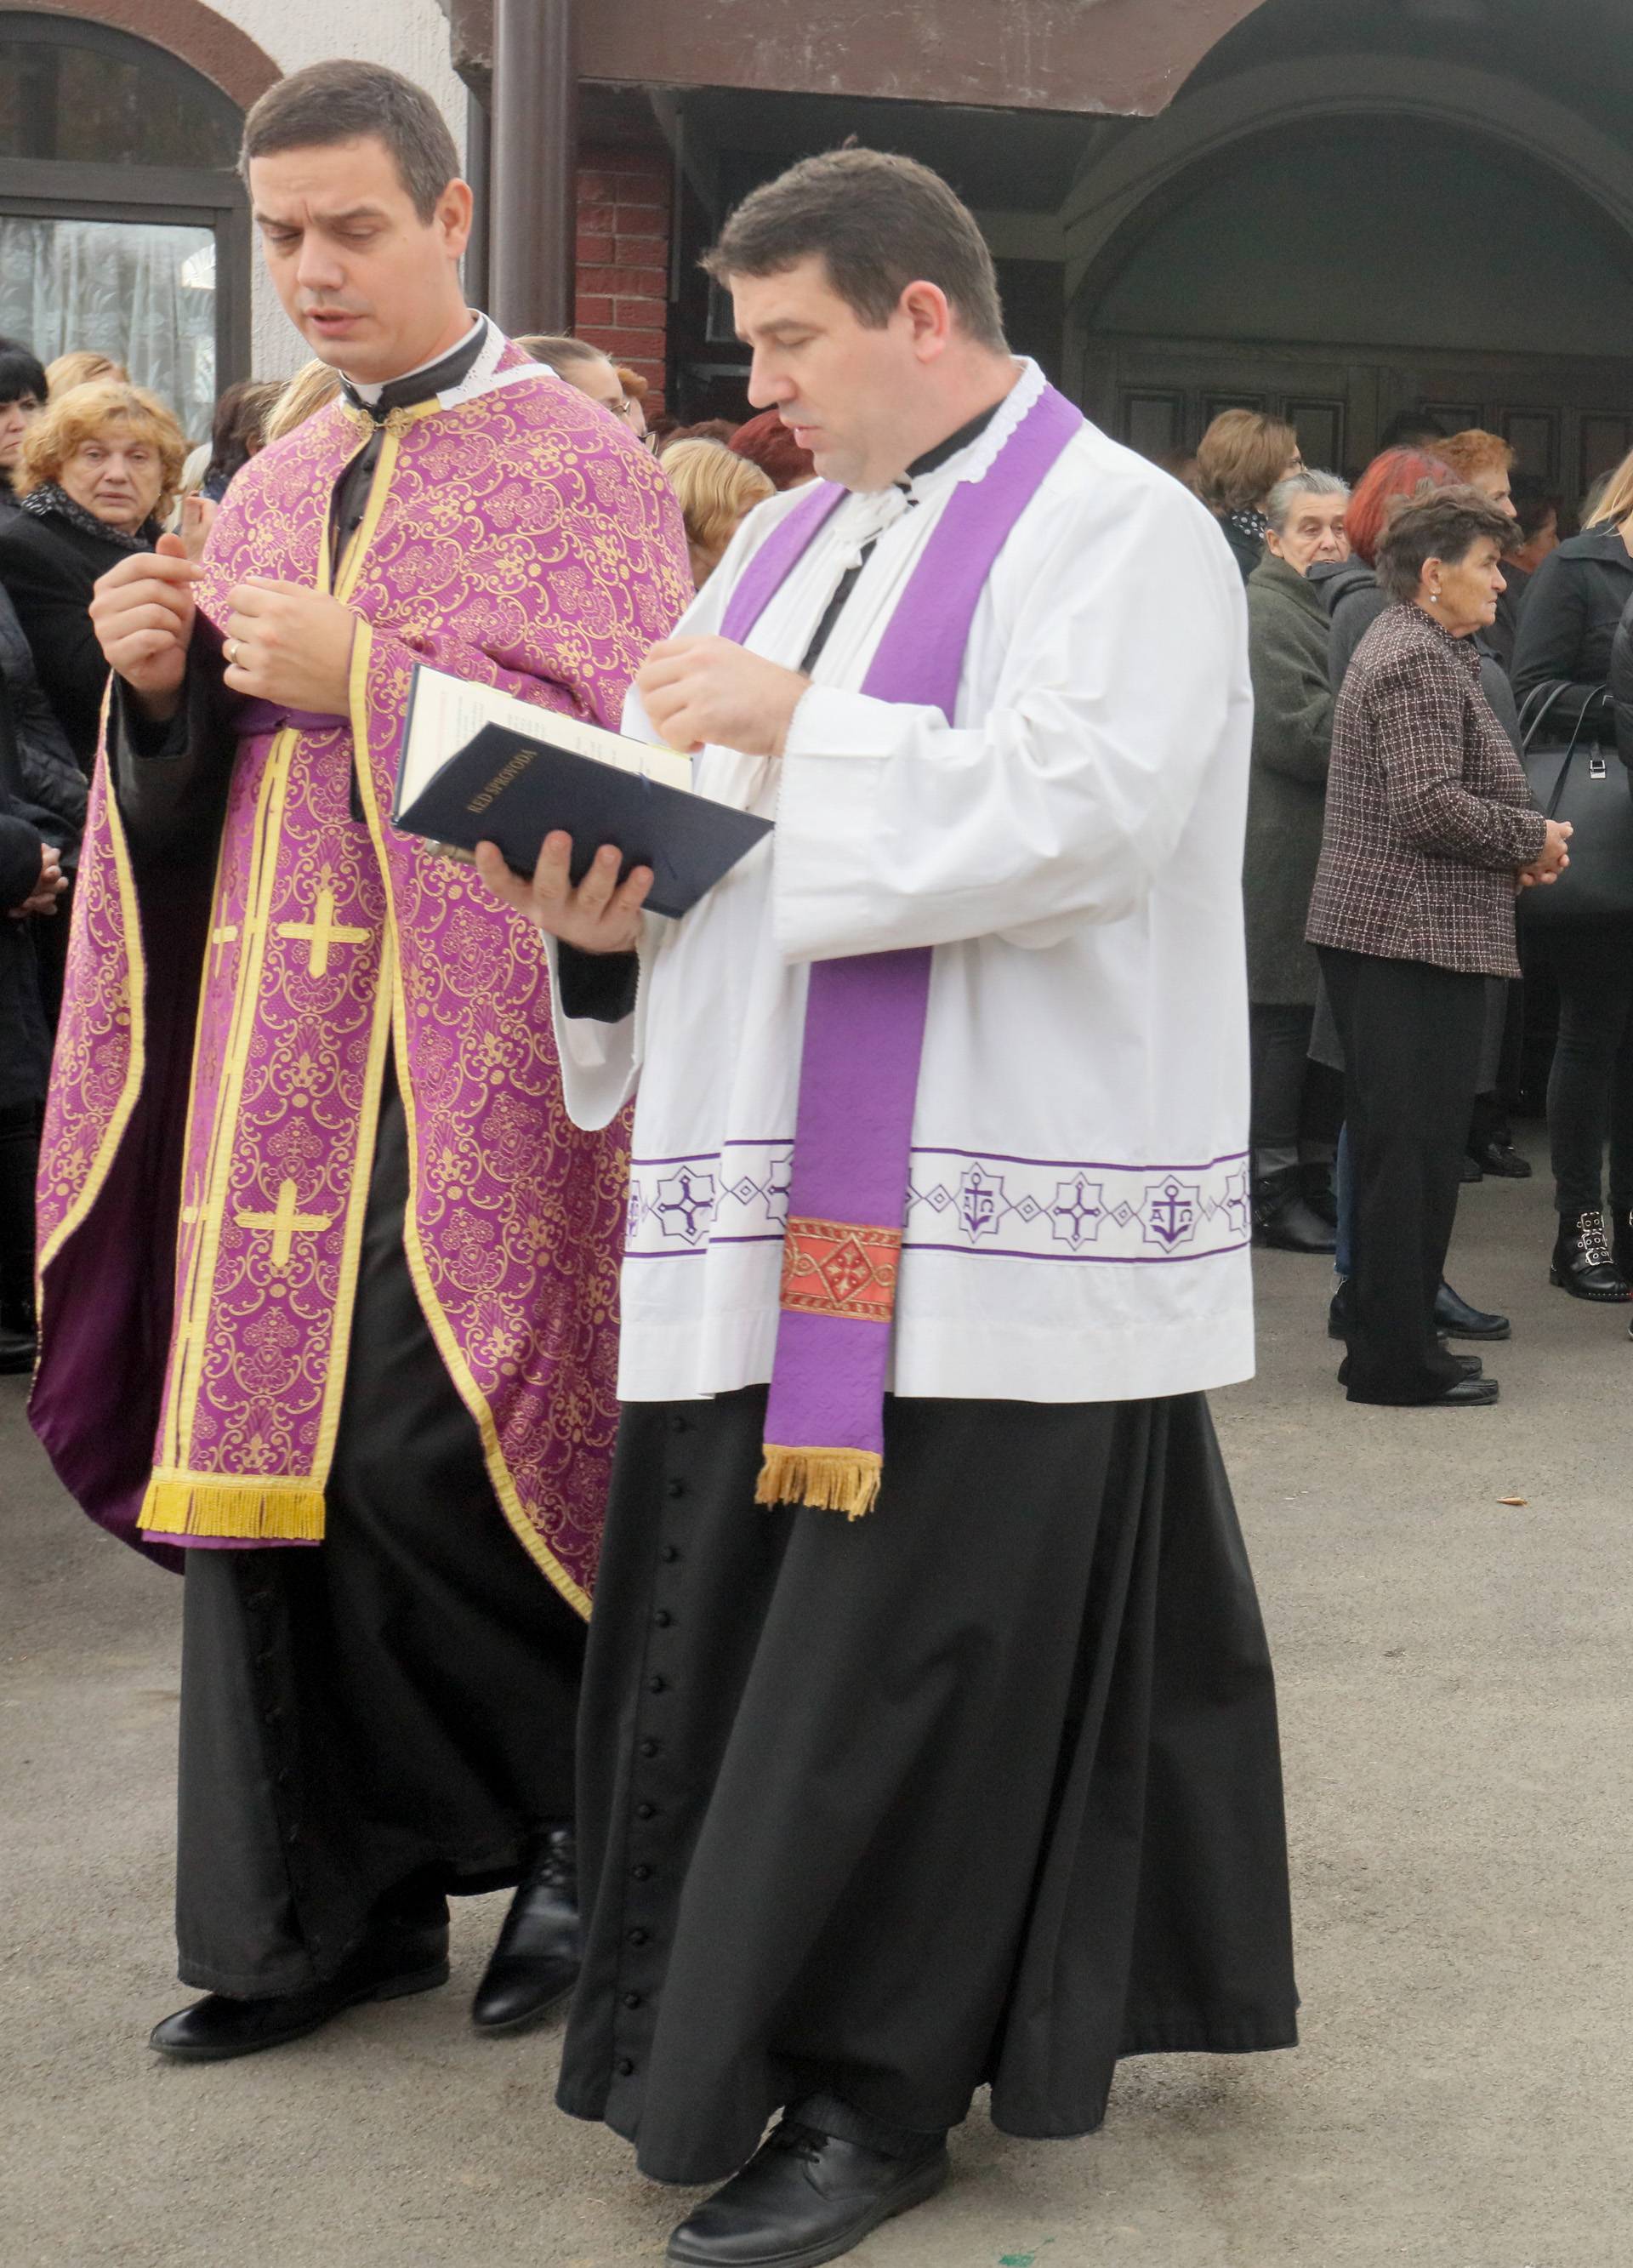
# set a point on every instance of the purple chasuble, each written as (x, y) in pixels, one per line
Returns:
(865, 1018)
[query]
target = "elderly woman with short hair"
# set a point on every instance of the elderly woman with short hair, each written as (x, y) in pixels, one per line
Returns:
(100, 467)
(1287, 635)
(1240, 459)
(1429, 830)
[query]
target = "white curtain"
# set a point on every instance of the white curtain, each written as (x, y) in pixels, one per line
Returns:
(140, 292)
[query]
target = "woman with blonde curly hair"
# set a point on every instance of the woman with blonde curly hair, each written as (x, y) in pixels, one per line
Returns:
(717, 489)
(101, 467)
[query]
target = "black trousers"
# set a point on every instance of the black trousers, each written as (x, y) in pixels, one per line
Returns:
(1295, 1116)
(20, 1160)
(983, 1786)
(372, 1723)
(1590, 1087)
(1411, 1038)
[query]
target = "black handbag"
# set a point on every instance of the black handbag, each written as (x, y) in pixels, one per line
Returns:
(1586, 786)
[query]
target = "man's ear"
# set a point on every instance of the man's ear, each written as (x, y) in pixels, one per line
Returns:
(930, 319)
(453, 217)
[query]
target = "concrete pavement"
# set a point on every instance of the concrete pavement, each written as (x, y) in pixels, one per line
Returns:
(1455, 1690)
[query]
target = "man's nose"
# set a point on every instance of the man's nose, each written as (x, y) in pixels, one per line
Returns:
(766, 386)
(318, 268)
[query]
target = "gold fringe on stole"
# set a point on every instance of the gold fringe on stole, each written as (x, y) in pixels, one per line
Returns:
(827, 1480)
(249, 1511)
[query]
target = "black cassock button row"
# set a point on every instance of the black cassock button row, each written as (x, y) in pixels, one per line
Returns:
(624, 2067)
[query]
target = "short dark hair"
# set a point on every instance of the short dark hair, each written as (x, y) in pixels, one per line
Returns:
(1445, 525)
(345, 101)
(1535, 498)
(559, 351)
(879, 222)
(1410, 429)
(21, 372)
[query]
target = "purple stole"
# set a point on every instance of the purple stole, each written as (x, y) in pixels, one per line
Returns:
(865, 1020)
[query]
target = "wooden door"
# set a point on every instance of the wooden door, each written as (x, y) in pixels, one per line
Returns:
(1570, 421)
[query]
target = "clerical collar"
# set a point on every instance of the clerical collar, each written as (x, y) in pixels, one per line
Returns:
(932, 459)
(420, 385)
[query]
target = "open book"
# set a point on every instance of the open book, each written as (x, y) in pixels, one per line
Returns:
(480, 766)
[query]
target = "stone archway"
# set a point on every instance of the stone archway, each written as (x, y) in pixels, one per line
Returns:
(1135, 183)
(188, 30)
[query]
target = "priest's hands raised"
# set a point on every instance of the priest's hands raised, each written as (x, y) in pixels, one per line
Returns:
(142, 611)
(597, 915)
(699, 690)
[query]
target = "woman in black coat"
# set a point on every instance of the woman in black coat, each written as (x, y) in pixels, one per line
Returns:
(100, 468)
(1573, 607)
(30, 884)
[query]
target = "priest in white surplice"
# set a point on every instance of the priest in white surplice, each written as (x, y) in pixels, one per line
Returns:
(939, 1220)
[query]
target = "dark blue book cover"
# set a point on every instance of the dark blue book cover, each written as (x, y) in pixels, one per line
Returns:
(512, 788)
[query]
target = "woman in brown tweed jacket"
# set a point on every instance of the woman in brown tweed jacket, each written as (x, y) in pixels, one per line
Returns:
(1429, 830)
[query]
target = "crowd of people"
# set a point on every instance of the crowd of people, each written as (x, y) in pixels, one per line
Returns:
(1393, 841)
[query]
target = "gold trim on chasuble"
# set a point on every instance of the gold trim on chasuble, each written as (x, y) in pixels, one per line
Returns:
(134, 1003)
(180, 1499)
(441, 1330)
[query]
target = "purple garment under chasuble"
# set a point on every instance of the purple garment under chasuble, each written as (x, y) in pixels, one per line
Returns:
(210, 1130)
(865, 1021)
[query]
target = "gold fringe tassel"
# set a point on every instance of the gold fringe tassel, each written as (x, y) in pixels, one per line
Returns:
(259, 1512)
(828, 1480)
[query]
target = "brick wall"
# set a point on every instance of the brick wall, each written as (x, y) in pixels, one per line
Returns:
(624, 257)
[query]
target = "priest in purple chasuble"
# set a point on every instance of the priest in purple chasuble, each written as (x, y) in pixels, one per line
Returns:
(929, 1735)
(329, 1279)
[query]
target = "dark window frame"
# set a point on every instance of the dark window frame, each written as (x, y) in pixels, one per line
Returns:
(187, 196)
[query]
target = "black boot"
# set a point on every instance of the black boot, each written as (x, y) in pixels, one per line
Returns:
(806, 2197)
(1455, 1319)
(535, 1962)
(1283, 1217)
(1582, 1262)
(387, 1969)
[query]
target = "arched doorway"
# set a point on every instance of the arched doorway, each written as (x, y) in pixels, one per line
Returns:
(123, 226)
(1340, 244)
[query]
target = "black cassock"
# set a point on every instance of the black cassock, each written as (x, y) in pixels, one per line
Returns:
(372, 1723)
(984, 1787)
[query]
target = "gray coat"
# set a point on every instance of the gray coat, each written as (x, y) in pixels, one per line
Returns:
(1293, 730)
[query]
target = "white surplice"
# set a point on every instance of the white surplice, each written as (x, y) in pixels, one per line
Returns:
(1077, 1225)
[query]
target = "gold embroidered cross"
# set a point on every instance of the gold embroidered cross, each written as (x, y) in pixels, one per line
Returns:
(226, 935)
(286, 1224)
(324, 931)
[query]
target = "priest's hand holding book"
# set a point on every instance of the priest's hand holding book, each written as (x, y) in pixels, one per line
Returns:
(600, 914)
(580, 829)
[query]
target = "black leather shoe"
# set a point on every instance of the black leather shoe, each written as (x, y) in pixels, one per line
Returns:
(1284, 1219)
(1457, 1320)
(1341, 1310)
(1471, 1170)
(1467, 1393)
(1470, 1365)
(1502, 1159)
(216, 2028)
(1582, 1262)
(16, 1352)
(535, 1962)
(805, 2198)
